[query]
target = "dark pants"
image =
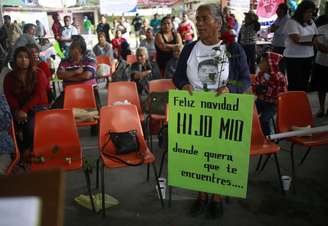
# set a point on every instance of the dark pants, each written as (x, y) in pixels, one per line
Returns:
(266, 111)
(27, 130)
(278, 49)
(298, 73)
(251, 56)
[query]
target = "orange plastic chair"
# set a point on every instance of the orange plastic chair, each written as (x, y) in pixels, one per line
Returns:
(130, 59)
(104, 60)
(294, 110)
(261, 146)
(158, 85)
(121, 118)
(16, 159)
(80, 96)
(120, 91)
(56, 143)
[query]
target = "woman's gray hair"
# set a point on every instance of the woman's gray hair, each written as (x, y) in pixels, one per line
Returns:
(142, 50)
(214, 9)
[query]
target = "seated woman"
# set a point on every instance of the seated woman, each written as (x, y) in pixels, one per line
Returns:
(26, 92)
(149, 44)
(269, 83)
(117, 42)
(197, 70)
(143, 70)
(79, 67)
(103, 48)
(6, 142)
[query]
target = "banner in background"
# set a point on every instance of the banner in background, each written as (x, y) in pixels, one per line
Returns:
(117, 6)
(267, 8)
(209, 141)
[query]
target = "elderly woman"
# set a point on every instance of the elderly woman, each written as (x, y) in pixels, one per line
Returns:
(165, 42)
(149, 43)
(143, 70)
(25, 88)
(195, 72)
(299, 53)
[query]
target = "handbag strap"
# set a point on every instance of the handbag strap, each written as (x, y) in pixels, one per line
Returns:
(117, 159)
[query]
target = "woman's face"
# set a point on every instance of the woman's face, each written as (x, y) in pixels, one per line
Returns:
(22, 60)
(118, 34)
(308, 15)
(167, 25)
(206, 24)
(141, 57)
(102, 39)
(75, 53)
(149, 34)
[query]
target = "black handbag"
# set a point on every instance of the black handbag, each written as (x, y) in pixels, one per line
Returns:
(125, 142)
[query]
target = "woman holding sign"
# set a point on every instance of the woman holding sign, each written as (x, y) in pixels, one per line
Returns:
(213, 63)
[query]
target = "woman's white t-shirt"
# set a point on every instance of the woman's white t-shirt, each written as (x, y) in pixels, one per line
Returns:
(293, 49)
(208, 67)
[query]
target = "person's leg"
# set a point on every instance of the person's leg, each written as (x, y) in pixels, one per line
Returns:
(199, 205)
(322, 98)
(266, 111)
(292, 68)
(215, 207)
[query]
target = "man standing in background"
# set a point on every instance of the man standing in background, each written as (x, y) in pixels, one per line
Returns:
(277, 27)
(137, 23)
(103, 26)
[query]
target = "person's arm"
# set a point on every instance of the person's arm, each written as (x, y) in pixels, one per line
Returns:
(164, 46)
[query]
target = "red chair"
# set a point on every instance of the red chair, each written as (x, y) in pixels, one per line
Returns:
(158, 85)
(57, 144)
(16, 159)
(294, 110)
(120, 91)
(261, 146)
(130, 59)
(80, 96)
(121, 118)
(104, 60)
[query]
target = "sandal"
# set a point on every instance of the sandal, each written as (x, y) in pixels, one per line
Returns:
(198, 207)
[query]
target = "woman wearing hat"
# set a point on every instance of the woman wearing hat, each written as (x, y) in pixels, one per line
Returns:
(247, 38)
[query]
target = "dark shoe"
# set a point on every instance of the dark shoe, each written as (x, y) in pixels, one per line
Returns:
(214, 210)
(198, 207)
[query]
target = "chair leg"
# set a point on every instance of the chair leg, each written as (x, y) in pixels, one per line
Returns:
(293, 167)
(259, 163)
(265, 162)
(103, 189)
(170, 196)
(158, 186)
(279, 173)
(87, 177)
(97, 173)
(304, 157)
(162, 163)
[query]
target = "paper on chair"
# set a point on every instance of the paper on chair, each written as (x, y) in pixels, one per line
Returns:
(20, 211)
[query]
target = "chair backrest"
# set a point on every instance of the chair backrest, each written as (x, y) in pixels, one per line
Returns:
(103, 60)
(293, 110)
(56, 136)
(130, 59)
(125, 90)
(161, 85)
(258, 137)
(79, 96)
(17, 153)
(119, 118)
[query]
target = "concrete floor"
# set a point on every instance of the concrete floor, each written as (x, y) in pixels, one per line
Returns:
(264, 206)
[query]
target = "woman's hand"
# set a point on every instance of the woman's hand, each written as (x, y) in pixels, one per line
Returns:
(188, 87)
(222, 90)
(21, 117)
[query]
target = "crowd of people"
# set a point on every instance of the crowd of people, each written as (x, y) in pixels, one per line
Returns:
(214, 54)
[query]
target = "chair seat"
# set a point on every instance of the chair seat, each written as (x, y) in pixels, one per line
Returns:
(58, 163)
(264, 149)
(88, 123)
(311, 141)
(132, 158)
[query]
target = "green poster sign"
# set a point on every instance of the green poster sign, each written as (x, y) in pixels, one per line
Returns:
(209, 141)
